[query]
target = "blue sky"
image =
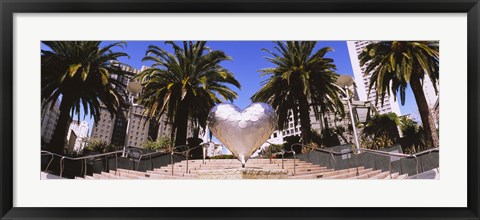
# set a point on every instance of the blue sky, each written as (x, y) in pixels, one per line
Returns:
(247, 60)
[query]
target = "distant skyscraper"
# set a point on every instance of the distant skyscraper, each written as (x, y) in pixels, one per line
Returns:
(362, 80)
(80, 130)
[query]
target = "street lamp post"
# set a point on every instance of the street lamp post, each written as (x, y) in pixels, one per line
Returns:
(133, 88)
(343, 82)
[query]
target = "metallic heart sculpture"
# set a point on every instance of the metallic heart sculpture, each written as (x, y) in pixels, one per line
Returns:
(242, 132)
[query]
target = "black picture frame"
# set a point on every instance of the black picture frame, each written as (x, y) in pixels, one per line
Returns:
(9, 7)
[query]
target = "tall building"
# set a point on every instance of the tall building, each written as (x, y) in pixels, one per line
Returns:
(80, 129)
(362, 81)
(49, 122)
(103, 129)
(430, 95)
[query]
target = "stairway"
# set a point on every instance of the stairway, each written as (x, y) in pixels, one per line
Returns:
(303, 170)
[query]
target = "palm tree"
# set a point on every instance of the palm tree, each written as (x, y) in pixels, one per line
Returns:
(78, 74)
(381, 131)
(185, 85)
(395, 64)
(300, 79)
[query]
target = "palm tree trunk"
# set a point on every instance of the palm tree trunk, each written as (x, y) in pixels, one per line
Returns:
(305, 120)
(57, 145)
(428, 121)
(181, 123)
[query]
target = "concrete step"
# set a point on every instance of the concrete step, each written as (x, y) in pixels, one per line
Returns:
(129, 174)
(112, 176)
(169, 174)
(349, 173)
(308, 170)
(366, 175)
(339, 172)
(154, 175)
(404, 176)
(146, 175)
(313, 175)
(380, 175)
(87, 177)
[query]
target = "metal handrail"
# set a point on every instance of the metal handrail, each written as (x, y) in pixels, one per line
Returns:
(375, 152)
(51, 158)
(390, 154)
(150, 156)
(84, 158)
(331, 153)
(142, 155)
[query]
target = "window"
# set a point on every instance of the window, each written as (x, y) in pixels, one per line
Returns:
(275, 134)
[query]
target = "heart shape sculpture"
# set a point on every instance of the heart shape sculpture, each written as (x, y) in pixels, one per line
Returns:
(242, 132)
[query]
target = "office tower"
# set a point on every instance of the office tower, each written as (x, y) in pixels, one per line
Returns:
(362, 81)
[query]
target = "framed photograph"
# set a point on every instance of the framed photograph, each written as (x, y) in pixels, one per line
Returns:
(230, 109)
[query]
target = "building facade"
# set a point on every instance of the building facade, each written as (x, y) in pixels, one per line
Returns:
(49, 123)
(130, 127)
(80, 130)
(362, 81)
(72, 139)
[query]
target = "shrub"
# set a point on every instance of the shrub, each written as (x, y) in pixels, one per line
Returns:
(268, 151)
(99, 146)
(162, 143)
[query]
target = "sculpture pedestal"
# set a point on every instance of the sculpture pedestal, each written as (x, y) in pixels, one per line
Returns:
(242, 173)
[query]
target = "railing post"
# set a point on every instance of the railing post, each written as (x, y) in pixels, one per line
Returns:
(48, 165)
(416, 161)
(330, 159)
(61, 166)
(356, 152)
(188, 152)
(203, 152)
(283, 159)
(433, 163)
(390, 166)
(138, 163)
(151, 164)
(171, 161)
(294, 164)
(401, 166)
(106, 163)
(85, 171)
